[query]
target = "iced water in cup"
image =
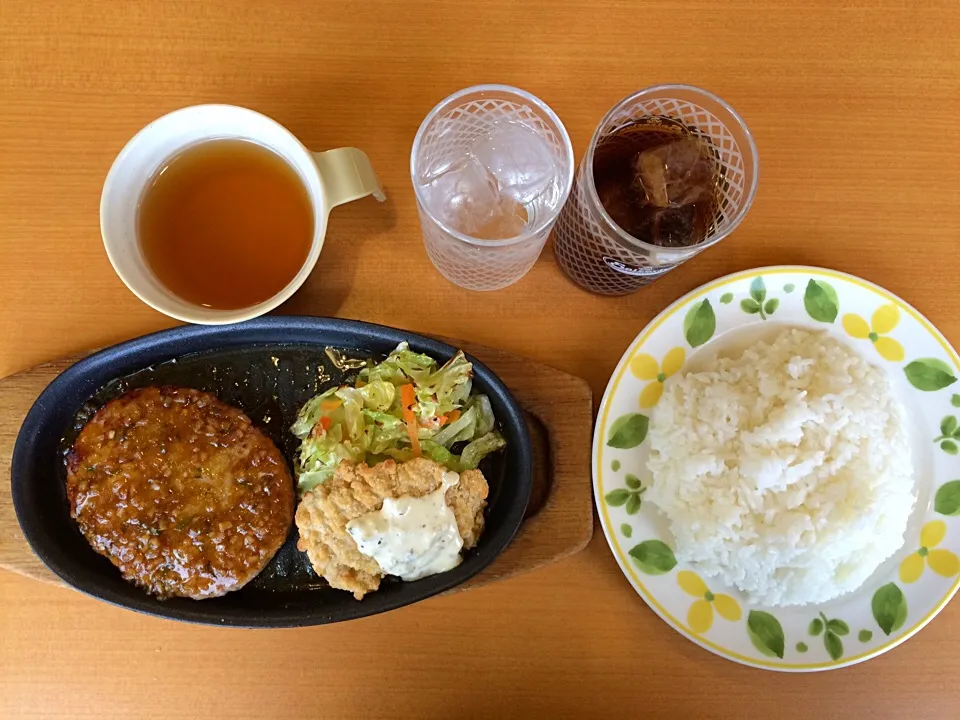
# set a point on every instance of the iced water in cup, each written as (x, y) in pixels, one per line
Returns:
(491, 166)
(670, 171)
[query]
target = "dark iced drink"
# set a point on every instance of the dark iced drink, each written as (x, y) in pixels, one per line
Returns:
(662, 179)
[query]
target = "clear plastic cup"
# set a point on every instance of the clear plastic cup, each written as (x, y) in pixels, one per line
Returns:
(602, 257)
(491, 167)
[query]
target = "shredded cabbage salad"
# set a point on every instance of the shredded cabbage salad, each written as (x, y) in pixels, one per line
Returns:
(401, 408)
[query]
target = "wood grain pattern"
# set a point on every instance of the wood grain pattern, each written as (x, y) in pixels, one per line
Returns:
(854, 108)
(560, 516)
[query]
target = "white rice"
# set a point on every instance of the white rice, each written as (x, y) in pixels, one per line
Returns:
(785, 472)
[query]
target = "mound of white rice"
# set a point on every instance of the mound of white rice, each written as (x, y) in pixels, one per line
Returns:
(786, 471)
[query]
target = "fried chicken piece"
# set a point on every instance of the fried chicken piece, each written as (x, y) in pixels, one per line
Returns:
(356, 490)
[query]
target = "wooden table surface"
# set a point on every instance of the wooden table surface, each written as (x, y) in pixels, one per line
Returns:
(854, 110)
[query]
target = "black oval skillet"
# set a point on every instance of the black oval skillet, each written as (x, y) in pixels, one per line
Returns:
(268, 368)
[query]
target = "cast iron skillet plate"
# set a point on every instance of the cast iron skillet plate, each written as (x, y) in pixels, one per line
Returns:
(268, 368)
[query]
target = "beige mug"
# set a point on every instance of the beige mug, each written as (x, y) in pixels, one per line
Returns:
(331, 178)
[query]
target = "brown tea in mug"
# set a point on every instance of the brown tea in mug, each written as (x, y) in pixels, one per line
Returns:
(659, 181)
(225, 224)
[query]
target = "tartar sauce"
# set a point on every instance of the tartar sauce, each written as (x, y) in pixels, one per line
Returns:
(411, 537)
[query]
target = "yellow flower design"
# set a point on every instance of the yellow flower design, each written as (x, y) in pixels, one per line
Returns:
(700, 616)
(942, 562)
(645, 367)
(884, 320)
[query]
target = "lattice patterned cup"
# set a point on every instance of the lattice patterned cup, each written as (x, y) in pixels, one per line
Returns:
(600, 256)
(535, 171)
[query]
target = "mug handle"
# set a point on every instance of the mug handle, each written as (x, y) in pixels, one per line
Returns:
(347, 175)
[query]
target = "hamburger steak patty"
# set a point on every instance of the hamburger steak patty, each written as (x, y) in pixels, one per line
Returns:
(180, 491)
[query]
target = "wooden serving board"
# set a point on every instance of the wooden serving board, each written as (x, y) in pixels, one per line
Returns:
(559, 409)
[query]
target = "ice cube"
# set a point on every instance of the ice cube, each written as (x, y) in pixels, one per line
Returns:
(675, 174)
(625, 206)
(508, 221)
(669, 227)
(519, 158)
(445, 152)
(466, 198)
(666, 227)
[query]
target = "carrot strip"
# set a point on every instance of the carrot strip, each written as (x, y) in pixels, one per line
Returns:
(453, 415)
(329, 405)
(408, 398)
(325, 423)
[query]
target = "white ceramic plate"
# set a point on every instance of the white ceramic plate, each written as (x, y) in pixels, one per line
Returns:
(907, 590)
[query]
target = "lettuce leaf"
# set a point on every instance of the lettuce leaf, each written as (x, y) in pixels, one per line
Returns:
(365, 422)
(402, 365)
(321, 453)
(310, 413)
(485, 419)
(463, 428)
(383, 431)
(378, 395)
(352, 411)
(440, 454)
(309, 480)
(478, 449)
(444, 390)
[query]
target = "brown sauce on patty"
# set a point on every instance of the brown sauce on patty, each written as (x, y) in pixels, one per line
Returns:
(180, 491)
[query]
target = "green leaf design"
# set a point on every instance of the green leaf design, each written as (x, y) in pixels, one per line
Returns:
(758, 291)
(801, 647)
(628, 431)
(816, 627)
(864, 636)
(838, 627)
(820, 301)
(616, 498)
(633, 504)
(766, 634)
(626, 530)
(834, 645)
(633, 482)
(771, 306)
(726, 298)
(653, 557)
(947, 500)
(615, 465)
(949, 447)
(948, 426)
(699, 324)
(929, 374)
(889, 608)
(955, 400)
(750, 307)
(789, 288)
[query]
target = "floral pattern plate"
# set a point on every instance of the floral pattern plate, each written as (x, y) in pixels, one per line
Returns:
(907, 590)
